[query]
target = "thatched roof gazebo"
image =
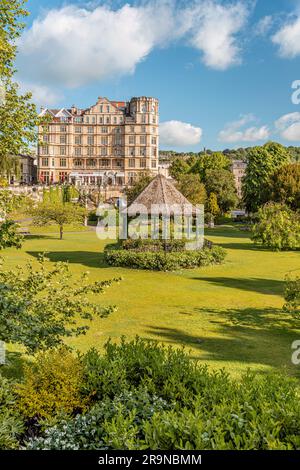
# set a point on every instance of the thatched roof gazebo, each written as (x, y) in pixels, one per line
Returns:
(160, 194)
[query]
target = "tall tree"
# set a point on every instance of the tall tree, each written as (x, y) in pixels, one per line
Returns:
(221, 183)
(192, 188)
(9, 236)
(262, 163)
(212, 161)
(178, 168)
(284, 186)
(18, 115)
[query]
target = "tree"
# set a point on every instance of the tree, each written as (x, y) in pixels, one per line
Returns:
(212, 161)
(58, 213)
(18, 116)
(178, 168)
(191, 187)
(138, 186)
(40, 307)
(212, 205)
(262, 163)
(292, 294)
(221, 183)
(284, 186)
(278, 227)
(9, 236)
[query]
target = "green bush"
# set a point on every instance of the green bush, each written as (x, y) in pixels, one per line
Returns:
(292, 294)
(165, 261)
(146, 396)
(11, 425)
(147, 244)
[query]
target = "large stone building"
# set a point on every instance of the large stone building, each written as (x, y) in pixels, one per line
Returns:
(108, 144)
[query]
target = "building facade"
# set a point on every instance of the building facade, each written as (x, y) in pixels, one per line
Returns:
(108, 144)
(238, 169)
(28, 169)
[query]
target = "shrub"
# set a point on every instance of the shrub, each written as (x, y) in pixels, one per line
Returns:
(166, 401)
(148, 244)
(292, 295)
(278, 227)
(165, 261)
(11, 425)
(51, 385)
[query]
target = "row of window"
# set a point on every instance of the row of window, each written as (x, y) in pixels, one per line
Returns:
(92, 129)
(103, 151)
(78, 140)
(104, 163)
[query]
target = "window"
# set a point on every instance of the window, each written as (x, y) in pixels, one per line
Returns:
(63, 119)
(90, 151)
(78, 163)
(77, 139)
(153, 164)
(104, 140)
(45, 161)
(131, 163)
(90, 140)
(153, 151)
(101, 119)
(131, 139)
(104, 130)
(153, 141)
(91, 162)
(107, 109)
(63, 176)
(63, 139)
(44, 177)
(132, 151)
(154, 130)
(78, 120)
(115, 119)
(87, 120)
(103, 151)
(45, 150)
(93, 120)
(101, 108)
(143, 119)
(63, 128)
(105, 163)
(77, 151)
(153, 119)
(132, 129)
(121, 120)
(78, 130)
(143, 129)
(143, 140)
(107, 120)
(143, 163)
(63, 150)
(143, 151)
(90, 130)
(63, 162)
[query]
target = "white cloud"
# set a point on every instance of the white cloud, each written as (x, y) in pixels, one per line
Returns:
(234, 132)
(289, 126)
(264, 25)
(41, 94)
(75, 46)
(179, 134)
(288, 39)
(214, 29)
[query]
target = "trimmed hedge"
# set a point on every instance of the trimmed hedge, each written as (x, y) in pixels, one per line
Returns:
(165, 261)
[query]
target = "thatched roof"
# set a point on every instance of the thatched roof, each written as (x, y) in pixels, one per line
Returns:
(160, 195)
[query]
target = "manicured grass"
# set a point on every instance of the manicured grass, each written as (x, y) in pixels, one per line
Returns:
(228, 316)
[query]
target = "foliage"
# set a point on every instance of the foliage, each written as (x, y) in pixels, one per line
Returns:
(262, 163)
(207, 162)
(138, 186)
(58, 213)
(284, 186)
(191, 187)
(146, 396)
(278, 227)
(3, 182)
(221, 183)
(147, 244)
(178, 168)
(9, 236)
(51, 385)
(165, 261)
(212, 206)
(9, 202)
(40, 307)
(18, 116)
(11, 426)
(292, 294)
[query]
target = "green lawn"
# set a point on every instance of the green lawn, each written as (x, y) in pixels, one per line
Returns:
(227, 316)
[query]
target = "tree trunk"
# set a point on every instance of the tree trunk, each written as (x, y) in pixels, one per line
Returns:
(61, 232)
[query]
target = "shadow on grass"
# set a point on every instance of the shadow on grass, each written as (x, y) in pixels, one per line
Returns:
(91, 259)
(261, 285)
(249, 336)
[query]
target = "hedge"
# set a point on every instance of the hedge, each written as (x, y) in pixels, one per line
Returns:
(165, 261)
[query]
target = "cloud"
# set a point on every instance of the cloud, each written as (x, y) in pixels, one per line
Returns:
(179, 134)
(233, 131)
(41, 94)
(289, 126)
(73, 46)
(288, 39)
(214, 29)
(264, 25)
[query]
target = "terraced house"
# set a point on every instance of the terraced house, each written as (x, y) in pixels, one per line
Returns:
(108, 144)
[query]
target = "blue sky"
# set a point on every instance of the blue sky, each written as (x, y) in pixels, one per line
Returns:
(222, 70)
